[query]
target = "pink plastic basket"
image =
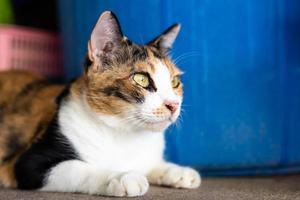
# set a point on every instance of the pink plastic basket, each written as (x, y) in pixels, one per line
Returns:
(30, 49)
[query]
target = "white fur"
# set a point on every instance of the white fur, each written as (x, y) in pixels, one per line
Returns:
(117, 154)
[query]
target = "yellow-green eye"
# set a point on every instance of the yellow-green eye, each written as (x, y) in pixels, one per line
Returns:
(175, 82)
(141, 79)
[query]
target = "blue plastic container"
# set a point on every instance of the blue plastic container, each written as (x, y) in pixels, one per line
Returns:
(242, 82)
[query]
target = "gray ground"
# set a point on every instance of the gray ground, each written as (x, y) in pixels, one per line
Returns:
(281, 187)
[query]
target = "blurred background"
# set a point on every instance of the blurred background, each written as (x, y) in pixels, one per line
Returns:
(241, 61)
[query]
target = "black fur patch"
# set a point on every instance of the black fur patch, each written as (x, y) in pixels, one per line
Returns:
(33, 87)
(65, 93)
(132, 97)
(32, 167)
(114, 91)
(138, 97)
(157, 53)
(139, 54)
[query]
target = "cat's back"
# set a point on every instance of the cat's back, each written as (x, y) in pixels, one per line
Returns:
(12, 82)
(22, 90)
(27, 105)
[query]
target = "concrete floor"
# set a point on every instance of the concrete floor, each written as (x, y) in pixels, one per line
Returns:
(262, 188)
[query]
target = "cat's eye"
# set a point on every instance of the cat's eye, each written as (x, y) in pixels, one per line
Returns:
(175, 82)
(141, 79)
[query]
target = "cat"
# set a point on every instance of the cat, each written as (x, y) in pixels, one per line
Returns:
(102, 133)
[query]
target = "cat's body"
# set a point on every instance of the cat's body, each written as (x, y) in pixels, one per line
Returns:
(101, 134)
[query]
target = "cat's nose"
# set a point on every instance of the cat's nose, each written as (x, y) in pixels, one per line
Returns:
(172, 106)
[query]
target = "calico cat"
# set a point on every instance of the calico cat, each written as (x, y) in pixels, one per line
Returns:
(102, 133)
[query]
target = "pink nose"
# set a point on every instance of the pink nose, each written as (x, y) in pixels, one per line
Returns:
(172, 106)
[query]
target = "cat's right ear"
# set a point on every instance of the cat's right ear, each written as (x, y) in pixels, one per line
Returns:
(106, 37)
(164, 42)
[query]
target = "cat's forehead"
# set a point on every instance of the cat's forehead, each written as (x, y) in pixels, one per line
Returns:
(150, 59)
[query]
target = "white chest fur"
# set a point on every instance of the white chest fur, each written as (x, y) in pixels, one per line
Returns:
(105, 147)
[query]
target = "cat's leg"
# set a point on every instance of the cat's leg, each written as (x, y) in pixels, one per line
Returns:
(168, 174)
(78, 176)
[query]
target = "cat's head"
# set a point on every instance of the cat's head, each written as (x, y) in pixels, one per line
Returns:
(129, 84)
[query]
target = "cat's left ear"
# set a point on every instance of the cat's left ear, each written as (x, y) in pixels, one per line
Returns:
(106, 37)
(164, 42)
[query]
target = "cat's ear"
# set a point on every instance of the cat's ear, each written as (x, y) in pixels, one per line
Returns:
(164, 42)
(106, 37)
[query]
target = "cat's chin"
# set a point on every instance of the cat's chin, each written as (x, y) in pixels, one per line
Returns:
(158, 126)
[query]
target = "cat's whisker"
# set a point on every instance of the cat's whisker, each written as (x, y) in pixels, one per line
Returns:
(185, 56)
(128, 118)
(187, 53)
(184, 59)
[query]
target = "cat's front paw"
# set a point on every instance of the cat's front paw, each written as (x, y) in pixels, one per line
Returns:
(175, 176)
(127, 185)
